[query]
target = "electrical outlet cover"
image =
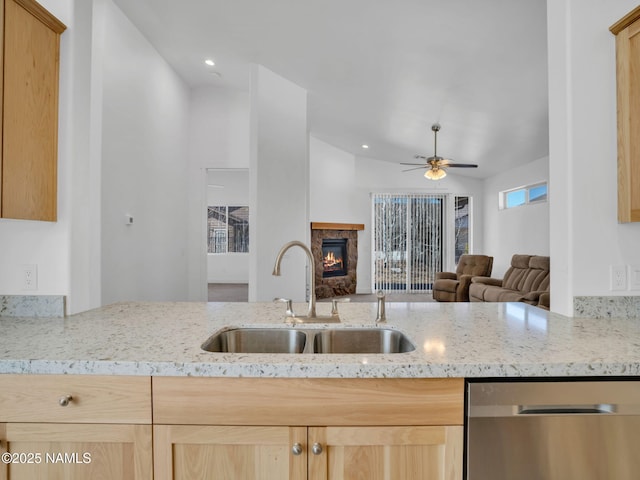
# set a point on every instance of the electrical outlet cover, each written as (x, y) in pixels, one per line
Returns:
(634, 277)
(618, 277)
(29, 277)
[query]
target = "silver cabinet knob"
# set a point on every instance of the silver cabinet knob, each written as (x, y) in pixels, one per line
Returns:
(316, 449)
(65, 400)
(296, 449)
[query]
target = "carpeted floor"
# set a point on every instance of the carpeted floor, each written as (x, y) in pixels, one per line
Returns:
(239, 292)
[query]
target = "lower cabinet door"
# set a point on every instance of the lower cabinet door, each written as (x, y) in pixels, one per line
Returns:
(192, 452)
(385, 453)
(75, 451)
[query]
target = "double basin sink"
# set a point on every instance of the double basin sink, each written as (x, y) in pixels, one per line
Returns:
(296, 340)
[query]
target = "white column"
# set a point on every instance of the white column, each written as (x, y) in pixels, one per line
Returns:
(279, 185)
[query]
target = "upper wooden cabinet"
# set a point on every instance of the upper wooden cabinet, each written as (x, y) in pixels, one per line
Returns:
(29, 99)
(628, 93)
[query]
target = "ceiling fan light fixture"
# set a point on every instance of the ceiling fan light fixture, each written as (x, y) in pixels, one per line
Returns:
(435, 174)
(436, 165)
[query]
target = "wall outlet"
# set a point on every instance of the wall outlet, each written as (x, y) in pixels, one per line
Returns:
(634, 277)
(618, 277)
(29, 277)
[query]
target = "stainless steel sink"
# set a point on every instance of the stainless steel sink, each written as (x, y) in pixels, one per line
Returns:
(297, 340)
(257, 340)
(362, 340)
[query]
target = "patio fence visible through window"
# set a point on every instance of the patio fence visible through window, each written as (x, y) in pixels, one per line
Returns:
(408, 241)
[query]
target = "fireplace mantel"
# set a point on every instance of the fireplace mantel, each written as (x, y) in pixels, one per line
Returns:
(336, 226)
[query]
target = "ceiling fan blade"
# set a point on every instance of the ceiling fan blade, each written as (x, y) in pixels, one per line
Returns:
(421, 157)
(460, 165)
(416, 168)
(423, 164)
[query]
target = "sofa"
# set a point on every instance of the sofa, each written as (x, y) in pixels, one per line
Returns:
(454, 287)
(526, 280)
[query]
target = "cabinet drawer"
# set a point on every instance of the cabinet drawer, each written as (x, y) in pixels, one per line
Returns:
(93, 399)
(307, 401)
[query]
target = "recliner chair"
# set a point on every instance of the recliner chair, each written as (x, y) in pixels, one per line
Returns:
(454, 287)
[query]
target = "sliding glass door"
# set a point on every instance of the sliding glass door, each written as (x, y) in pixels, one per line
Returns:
(411, 233)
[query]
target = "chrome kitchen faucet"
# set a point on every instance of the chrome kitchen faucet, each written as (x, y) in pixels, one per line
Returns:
(311, 316)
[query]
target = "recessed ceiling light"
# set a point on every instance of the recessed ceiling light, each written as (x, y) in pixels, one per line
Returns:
(209, 62)
(365, 146)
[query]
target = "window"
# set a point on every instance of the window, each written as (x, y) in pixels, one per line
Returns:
(228, 229)
(536, 193)
(412, 238)
(461, 222)
(408, 241)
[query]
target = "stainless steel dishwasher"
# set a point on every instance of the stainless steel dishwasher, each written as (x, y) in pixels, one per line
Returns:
(564, 430)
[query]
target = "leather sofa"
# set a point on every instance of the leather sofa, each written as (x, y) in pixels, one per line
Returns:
(454, 287)
(526, 280)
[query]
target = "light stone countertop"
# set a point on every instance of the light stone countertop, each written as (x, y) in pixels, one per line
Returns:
(451, 339)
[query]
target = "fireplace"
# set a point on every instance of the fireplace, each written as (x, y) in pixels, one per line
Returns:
(334, 257)
(335, 252)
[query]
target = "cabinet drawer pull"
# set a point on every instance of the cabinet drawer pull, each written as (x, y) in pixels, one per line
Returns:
(316, 449)
(296, 449)
(65, 400)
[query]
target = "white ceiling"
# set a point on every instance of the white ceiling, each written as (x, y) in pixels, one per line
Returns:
(379, 72)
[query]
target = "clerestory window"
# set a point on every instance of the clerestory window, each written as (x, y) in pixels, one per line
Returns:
(529, 194)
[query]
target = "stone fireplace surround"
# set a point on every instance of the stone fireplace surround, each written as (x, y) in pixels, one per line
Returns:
(335, 286)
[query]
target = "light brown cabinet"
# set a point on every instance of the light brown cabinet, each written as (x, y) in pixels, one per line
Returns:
(378, 453)
(315, 429)
(186, 452)
(75, 427)
(81, 426)
(30, 38)
(628, 99)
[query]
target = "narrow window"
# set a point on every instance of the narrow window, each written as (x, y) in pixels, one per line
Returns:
(516, 197)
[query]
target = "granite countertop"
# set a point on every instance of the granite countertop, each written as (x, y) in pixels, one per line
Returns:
(452, 340)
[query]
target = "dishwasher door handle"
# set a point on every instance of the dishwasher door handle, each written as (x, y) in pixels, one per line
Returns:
(598, 409)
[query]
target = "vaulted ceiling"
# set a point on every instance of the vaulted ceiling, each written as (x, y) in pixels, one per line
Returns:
(379, 72)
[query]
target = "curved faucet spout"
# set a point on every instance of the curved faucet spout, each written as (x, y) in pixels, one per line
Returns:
(312, 272)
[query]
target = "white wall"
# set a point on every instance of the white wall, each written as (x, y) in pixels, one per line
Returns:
(332, 175)
(144, 168)
(228, 187)
(585, 236)
(522, 229)
(279, 185)
(219, 127)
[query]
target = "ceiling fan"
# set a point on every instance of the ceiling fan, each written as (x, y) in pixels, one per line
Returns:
(436, 165)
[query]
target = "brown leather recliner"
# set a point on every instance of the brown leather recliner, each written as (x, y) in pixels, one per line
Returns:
(454, 287)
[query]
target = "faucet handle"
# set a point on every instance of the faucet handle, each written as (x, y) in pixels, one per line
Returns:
(334, 305)
(289, 302)
(381, 314)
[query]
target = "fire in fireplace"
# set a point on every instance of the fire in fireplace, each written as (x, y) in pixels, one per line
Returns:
(334, 257)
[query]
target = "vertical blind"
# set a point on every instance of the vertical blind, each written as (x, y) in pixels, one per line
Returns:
(408, 241)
